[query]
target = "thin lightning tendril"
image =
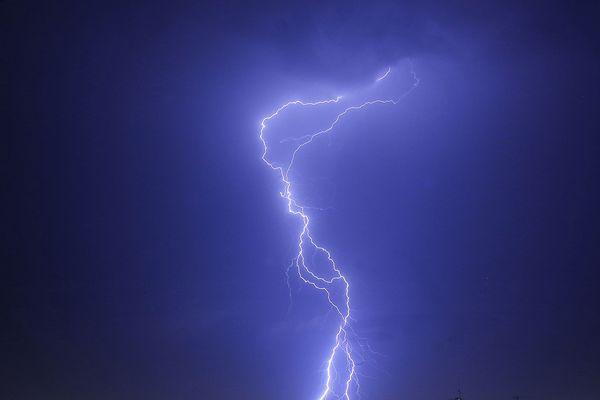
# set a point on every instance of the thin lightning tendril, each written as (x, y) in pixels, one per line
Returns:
(387, 72)
(342, 344)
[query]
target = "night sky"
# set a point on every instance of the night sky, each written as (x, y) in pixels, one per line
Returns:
(145, 243)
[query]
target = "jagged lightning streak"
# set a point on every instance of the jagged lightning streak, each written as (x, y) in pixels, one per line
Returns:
(342, 345)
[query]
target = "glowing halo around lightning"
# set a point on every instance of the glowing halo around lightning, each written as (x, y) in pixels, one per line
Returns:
(342, 345)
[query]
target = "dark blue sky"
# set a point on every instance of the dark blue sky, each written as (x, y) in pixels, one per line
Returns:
(145, 243)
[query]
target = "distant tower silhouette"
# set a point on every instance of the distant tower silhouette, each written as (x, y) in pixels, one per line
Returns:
(459, 395)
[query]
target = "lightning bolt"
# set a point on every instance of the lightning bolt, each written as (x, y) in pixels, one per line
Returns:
(341, 350)
(382, 77)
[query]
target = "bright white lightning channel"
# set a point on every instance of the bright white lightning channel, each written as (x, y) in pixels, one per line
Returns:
(342, 346)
